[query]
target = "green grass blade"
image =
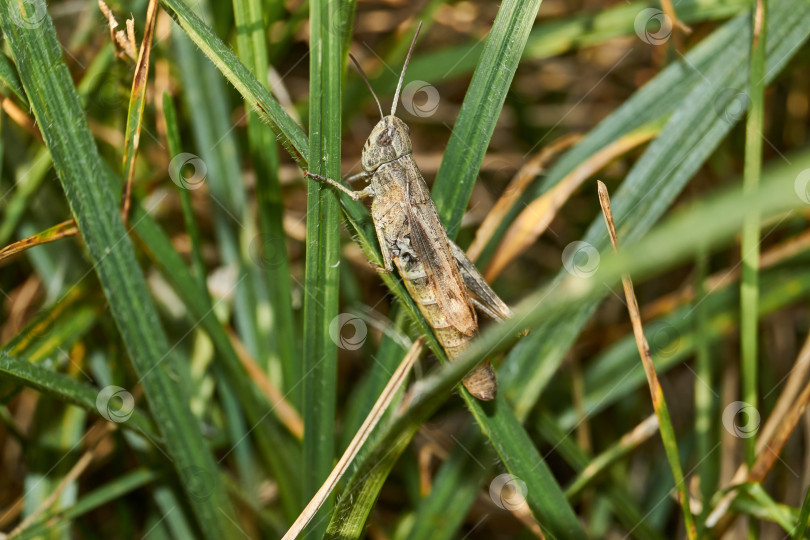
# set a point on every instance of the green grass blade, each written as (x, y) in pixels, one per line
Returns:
(481, 109)
(749, 286)
(57, 110)
(323, 254)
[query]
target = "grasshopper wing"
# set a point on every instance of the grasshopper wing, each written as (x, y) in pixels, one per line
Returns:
(481, 293)
(431, 246)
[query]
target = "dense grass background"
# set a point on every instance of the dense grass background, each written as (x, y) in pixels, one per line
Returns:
(197, 367)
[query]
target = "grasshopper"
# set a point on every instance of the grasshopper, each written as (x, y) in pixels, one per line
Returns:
(440, 278)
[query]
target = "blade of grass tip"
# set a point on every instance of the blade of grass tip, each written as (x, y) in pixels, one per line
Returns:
(251, 40)
(480, 110)
(137, 100)
(380, 407)
(321, 273)
(536, 217)
(58, 112)
(62, 230)
(657, 394)
(749, 287)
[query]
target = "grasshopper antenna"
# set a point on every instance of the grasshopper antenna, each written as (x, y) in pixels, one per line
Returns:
(402, 75)
(357, 65)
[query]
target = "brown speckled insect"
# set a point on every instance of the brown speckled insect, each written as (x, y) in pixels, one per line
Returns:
(438, 275)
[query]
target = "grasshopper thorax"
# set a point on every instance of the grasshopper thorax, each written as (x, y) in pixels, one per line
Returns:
(389, 140)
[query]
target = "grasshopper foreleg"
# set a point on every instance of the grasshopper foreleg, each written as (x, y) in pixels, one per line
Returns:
(356, 195)
(364, 175)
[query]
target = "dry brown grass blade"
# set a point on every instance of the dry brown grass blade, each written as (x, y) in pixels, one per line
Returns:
(778, 253)
(66, 228)
(790, 407)
(380, 406)
(125, 46)
(536, 217)
(281, 407)
(21, 118)
(522, 179)
(137, 100)
(656, 393)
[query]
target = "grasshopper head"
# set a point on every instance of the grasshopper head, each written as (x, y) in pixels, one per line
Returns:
(388, 141)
